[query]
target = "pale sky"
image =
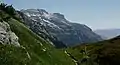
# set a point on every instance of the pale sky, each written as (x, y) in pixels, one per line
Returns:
(97, 14)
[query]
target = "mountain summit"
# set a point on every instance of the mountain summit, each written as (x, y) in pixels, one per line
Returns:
(56, 25)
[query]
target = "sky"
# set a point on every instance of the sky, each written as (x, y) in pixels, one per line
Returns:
(97, 14)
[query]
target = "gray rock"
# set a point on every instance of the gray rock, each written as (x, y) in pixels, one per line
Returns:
(6, 35)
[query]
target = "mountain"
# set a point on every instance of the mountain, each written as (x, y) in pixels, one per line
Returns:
(21, 46)
(40, 30)
(56, 26)
(101, 53)
(108, 33)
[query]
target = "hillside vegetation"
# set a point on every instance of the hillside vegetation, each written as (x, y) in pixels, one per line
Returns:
(101, 53)
(33, 49)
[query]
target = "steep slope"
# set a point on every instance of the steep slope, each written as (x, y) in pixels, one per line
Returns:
(57, 26)
(40, 30)
(33, 50)
(108, 33)
(102, 53)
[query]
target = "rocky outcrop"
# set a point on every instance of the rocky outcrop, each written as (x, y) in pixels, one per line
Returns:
(6, 35)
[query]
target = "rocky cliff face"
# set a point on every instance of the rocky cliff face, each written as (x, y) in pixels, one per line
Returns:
(55, 25)
(6, 35)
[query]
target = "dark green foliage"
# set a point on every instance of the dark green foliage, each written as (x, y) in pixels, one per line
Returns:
(101, 53)
(4, 17)
(3, 6)
(7, 12)
(7, 8)
(10, 10)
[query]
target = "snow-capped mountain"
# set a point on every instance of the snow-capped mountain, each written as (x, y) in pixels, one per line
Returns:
(56, 26)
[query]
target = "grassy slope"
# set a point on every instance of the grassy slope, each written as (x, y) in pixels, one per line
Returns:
(32, 46)
(103, 53)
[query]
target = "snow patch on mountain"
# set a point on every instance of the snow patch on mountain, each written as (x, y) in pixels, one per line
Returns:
(51, 24)
(48, 15)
